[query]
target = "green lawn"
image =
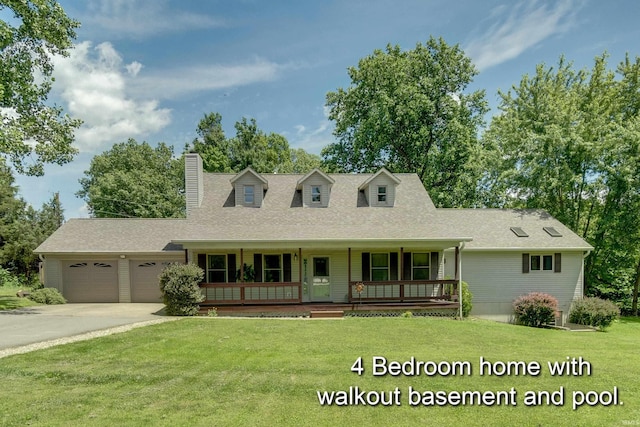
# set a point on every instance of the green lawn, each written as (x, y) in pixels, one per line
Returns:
(9, 300)
(238, 372)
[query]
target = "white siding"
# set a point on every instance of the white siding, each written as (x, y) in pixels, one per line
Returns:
(53, 273)
(496, 279)
(381, 180)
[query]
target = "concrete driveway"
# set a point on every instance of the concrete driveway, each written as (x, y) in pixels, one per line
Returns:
(47, 323)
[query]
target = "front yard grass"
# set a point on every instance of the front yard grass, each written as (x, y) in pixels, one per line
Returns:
(262, 372)
(9, 300)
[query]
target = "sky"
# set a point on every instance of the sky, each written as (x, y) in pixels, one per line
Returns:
(151, 69)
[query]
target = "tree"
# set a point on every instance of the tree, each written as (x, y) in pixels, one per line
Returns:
(304, 162)
(212, 145)
(32, 131)
(134, 180)
(407, 111)
(567, 141)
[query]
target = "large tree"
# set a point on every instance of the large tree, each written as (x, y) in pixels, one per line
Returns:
(33, 133)
(567, 141)
(251, 146)
(408, 111)
(134, 180)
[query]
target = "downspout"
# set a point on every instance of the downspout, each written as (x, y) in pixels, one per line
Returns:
(460, 279)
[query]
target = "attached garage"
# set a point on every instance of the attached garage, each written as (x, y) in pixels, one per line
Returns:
(144, 280)
(90, 280)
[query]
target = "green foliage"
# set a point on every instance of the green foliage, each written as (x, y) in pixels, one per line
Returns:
(47, 296)
(407, 314)
(212, 312)
(180, 290)
(535, 309)
(248, 273)
(33, 133)
(135, 180)
(9, 280)
(467, 298)
(594, 311)
(408, 111)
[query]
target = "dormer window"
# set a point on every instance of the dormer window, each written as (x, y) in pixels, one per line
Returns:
(382, 194)
(316, 194)
(249, 194)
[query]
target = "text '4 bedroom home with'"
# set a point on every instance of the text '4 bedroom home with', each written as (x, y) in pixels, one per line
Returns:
(326, 238)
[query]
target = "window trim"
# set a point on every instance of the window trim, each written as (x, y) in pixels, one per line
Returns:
(318, 194)
(209, 269)
(541, 259)
(386, 268)
(382, 196)
(251, 194)
(265, 268)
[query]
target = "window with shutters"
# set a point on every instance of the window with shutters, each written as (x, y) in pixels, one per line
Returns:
(273, 268)
(380, 267)
(541, 263)
(420, 266)
(216, 269)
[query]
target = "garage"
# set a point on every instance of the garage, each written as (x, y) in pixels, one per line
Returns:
(144, 280)
(90, 280)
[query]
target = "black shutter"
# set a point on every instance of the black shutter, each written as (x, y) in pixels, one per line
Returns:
(366, 266)
(393, 266)
(286, 267)
(525, 263)
(557, 268)
(434, 265)
(257, 266)
(202, 263)
(406, 266)
(231, 268)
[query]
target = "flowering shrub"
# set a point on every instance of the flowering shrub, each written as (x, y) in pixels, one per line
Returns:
(535, 309)
(594, 311)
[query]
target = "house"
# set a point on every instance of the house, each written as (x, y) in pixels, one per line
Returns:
(293, 239)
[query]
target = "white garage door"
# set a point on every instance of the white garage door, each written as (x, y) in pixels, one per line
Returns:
(90, 281)
(144, 280)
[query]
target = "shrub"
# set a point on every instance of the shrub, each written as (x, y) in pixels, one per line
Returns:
(594, 311)
(47, 296)
(8, 279)
(467, 296)
(535, 309)
(180, 290)
(407, 314)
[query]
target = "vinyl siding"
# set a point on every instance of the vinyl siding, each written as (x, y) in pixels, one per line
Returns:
(124, 282)
(372, 196)
(258, 192)
(53, 273)
(496, 279)
(193, 181)
(313, 180)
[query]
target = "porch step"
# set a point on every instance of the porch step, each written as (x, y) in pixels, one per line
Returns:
(324, 314)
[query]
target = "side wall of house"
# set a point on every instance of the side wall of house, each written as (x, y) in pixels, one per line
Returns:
(52, 273)
(496, 279)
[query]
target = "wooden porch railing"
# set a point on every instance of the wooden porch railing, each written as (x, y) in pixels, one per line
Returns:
(252, 293)
(393, 290)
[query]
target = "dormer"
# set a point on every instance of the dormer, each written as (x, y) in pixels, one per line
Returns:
(249, 187)
(380, 188)
(315, 187)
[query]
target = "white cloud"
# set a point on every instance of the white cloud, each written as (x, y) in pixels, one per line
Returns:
(519, 28)
(134, 68)
(143, 18)
(94, 84)
(313, 140)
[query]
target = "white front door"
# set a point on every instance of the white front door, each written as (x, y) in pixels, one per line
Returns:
(321, 279)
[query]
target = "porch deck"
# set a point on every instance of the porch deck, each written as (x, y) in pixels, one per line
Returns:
(436, 308)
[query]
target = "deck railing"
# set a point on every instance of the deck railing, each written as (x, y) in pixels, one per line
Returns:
(252, 293)
(393, 290)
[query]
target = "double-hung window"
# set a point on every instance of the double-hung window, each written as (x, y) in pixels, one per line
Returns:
(420, 266)
(382, 194)
(273, 268)
(249, 194)
(216, 269)
(316, 194)
(380, 267)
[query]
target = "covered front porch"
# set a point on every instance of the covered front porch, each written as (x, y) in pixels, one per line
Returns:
(357, 277)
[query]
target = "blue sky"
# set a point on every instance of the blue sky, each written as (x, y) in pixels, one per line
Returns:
(151, 69)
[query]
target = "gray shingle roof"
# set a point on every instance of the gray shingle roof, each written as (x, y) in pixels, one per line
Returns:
(282, 218)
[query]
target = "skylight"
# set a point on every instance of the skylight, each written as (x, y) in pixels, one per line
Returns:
(552, 232)
(518, 231)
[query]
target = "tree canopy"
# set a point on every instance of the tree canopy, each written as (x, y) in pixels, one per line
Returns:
(568, 141)
(134, 180)
(33, 133)
(408, 111)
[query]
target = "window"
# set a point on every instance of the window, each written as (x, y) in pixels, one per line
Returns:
(379, 267)
(249, 195)
(541, 262)
(216, 269)
(272, 268)
(382, 194)
(316, 194)
(420, 266)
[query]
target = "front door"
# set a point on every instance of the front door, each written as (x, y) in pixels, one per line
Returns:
(321, 282)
